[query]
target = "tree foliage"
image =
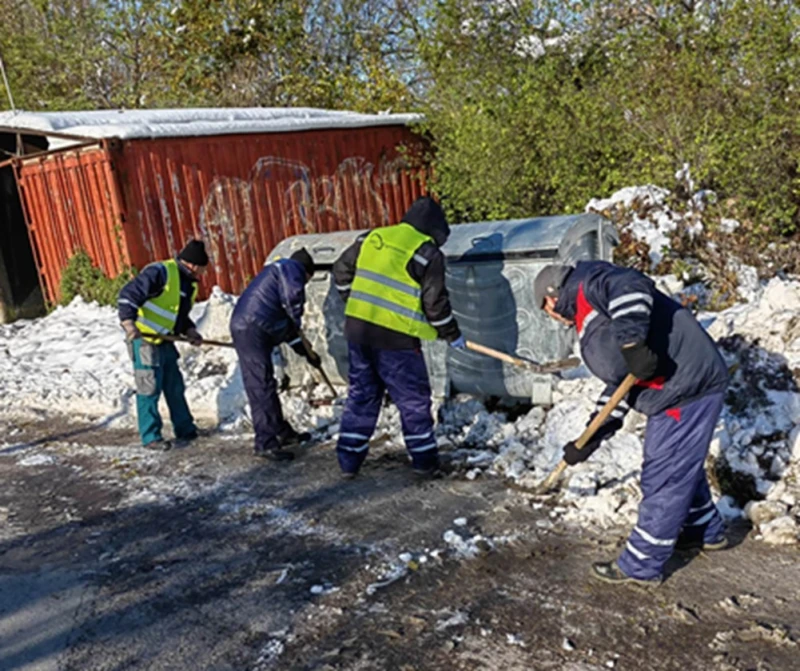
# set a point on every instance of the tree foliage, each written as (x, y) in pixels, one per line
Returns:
(73, 54)
(533, 106)
(536, 107)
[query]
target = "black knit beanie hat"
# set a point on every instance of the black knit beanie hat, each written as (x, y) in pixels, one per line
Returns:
(304, 257)
(194, 252)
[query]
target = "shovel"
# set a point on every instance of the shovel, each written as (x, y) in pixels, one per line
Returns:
(548, 483)
(175, 338)
(532, 366)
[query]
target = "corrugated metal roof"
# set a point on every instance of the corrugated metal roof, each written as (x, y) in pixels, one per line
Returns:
(136, 124)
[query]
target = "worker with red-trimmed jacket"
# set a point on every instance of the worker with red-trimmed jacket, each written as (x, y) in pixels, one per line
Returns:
(625, 325)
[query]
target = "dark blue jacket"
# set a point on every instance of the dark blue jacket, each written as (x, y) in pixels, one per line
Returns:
(613, 306)
(149, 284)
(273, 301)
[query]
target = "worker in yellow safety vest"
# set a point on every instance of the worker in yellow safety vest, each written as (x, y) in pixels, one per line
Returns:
(157, 302)
(392, 280)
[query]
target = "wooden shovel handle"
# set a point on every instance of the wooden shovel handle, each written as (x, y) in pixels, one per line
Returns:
(496, 354)
(309, 349)
(590, 430)
(174, 338)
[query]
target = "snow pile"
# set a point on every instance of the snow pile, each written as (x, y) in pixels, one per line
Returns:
(773, 319)
(652, 221)
(603, 491)
(75, 361)
(661, 231)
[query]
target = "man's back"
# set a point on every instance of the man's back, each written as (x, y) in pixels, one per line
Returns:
(690, 365)
(274, 299)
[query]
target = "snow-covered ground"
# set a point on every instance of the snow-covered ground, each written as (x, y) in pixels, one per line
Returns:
(74, 361)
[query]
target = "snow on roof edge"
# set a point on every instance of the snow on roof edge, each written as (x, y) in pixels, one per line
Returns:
(150, 124)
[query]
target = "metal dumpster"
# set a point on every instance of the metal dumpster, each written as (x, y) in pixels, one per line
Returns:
(491, 267)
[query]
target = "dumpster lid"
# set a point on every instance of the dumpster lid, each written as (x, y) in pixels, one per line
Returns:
(540, 237)
(537, 237)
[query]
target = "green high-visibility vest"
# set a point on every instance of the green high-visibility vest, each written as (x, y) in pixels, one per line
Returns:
(158, 315)
(383, 292)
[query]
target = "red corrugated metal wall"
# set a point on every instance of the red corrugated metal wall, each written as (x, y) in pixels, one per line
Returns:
(71, 202)
(243, 194)
(138, 201)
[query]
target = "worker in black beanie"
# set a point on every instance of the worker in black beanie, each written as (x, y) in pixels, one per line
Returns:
(302, 256)
(154, 304)
(194, 253)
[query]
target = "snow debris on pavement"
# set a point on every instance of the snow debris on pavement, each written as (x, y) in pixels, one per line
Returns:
(467, 548)
(37, 460)
(456, 620)
(515, 639)
(320, 590)
(269, 655)
(75, 361)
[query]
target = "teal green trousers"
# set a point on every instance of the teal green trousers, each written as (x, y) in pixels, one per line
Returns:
(155, 368)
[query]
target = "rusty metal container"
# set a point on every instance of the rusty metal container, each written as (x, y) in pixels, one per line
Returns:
(131, 200)
(244, 194)
(71, 201)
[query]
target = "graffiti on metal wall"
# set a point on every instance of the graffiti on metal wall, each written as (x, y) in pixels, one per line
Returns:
(284, 197)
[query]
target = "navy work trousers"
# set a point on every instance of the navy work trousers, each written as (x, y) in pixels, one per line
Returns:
(403, 374)
(675, 494)
(254, 349)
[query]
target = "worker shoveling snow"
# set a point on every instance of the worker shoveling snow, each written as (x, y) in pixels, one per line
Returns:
(74, 361)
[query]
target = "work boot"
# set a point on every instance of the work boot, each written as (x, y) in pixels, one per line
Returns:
(183, 441)
(293, 438)
(159, 445)
(431, 472)
(608, 571)
(276, 454)
(685, 543)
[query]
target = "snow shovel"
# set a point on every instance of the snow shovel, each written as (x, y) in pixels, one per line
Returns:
(532, 366)
(588, 432)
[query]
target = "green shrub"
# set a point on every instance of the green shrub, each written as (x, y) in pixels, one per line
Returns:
(82, 278)
(625, 93)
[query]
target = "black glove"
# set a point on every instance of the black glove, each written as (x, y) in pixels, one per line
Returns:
(299, 349)
(313, 358)
(642, 362)
(572, 455)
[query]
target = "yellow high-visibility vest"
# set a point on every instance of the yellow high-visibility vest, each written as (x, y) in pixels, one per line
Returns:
(158, 315)
(383, 292)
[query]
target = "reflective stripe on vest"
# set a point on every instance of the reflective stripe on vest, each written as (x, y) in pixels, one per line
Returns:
(383, 292)
(158, 315)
